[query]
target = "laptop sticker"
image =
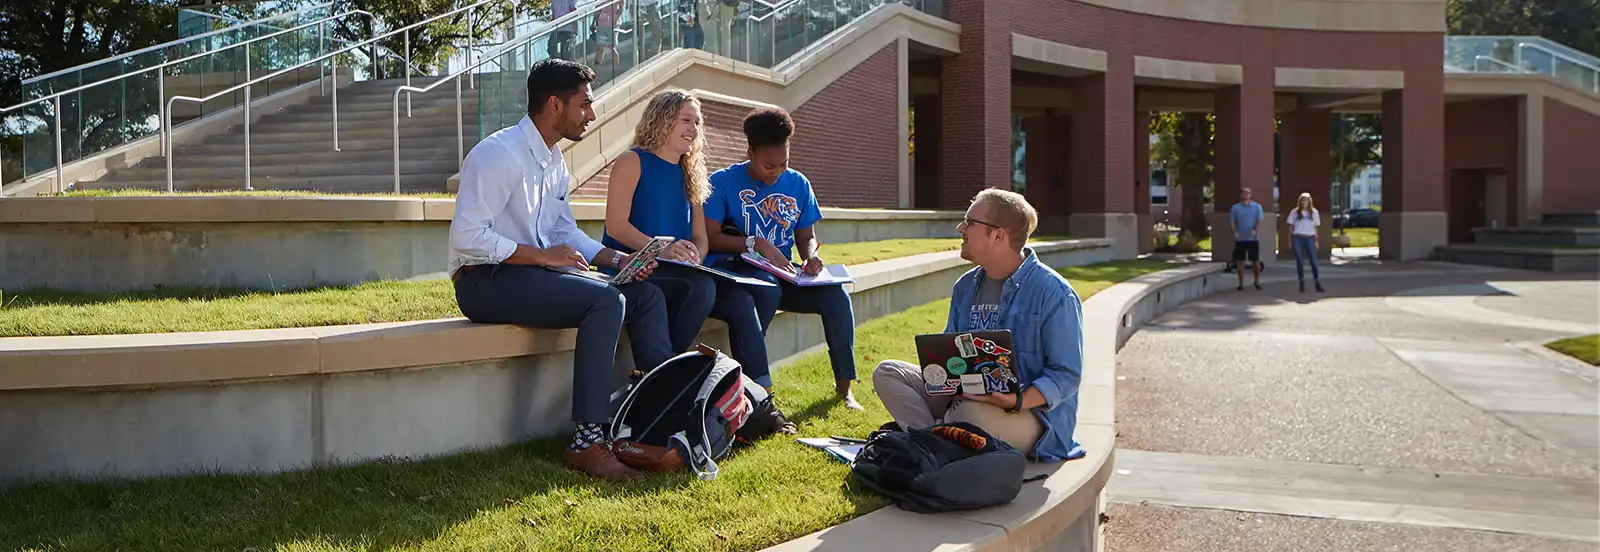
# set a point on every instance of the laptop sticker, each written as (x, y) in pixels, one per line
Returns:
(956, 366)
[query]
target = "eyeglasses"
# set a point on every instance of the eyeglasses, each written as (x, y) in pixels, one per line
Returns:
(968, 221)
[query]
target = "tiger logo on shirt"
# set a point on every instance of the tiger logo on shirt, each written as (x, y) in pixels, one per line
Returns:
(773, 217)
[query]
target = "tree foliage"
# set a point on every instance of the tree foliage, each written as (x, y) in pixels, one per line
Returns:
(1575, 23)
(1186, 148)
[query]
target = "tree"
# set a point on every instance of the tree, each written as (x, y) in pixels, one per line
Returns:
(1185, 149)
(1357, 143)
(44, 37)
(1575, 23)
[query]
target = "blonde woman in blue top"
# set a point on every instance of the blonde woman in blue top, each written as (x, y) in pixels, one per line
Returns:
(659, 188)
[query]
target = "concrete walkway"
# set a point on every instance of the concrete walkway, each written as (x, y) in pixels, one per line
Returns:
(1409, 408)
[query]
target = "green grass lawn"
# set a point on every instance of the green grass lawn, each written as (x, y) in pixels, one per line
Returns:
(189, 309)
(1361, 237)
(1585, 348)
(514, 498)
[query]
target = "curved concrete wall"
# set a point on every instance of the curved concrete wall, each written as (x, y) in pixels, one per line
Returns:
(1343, 15)
(131, 243)
(270, 400)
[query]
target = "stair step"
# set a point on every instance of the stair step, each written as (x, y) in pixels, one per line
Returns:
(349, 105)
(386, 124)
(324, 133)
(352, 168)
(346, 145)
(423, 182)
(468, 113)
(235, 157)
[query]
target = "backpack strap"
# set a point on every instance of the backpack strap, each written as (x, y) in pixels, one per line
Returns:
(698, 456)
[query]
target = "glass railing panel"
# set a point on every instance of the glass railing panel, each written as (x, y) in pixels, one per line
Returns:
(1522, 54)
(764, 34)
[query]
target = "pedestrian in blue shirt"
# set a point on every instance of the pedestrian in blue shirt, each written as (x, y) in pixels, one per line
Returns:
(1008, 290)
(764, 207)
(659, 188)
(1245, 218)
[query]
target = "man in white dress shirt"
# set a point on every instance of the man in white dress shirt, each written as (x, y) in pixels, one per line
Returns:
(514, 237)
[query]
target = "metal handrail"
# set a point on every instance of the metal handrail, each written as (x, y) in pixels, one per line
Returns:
(1563, 56)
(208, 34)
(1496, 61)
(460, 137)
(249, 82)
(161, 90)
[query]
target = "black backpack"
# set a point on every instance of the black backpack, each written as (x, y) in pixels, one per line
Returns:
(687, 413)
(951, 466)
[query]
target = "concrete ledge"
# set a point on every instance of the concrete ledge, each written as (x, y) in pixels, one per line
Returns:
(1063, 512)
(1526, 257)
(1038, 51)
(127, 243)
(1299, 78)
(1177, 71)
(271, 400)
(1538, 235)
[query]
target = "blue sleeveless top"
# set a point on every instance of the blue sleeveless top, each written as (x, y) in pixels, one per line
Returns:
(660, 208)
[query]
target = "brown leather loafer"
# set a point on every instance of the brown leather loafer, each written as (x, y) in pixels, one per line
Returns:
(598, 461)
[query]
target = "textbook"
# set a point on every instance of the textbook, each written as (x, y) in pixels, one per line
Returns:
(626, 273)
(720, 273)
(830, 275)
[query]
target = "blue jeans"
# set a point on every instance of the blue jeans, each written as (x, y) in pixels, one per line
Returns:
(1305, 247)
(689, 295)
(737, 303)
(536, 297)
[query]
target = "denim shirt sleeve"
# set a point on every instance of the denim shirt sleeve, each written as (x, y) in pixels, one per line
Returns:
(959, 303)
(1062, 329)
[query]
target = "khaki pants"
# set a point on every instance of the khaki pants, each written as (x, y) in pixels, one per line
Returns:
(901, 388)
(718, 25)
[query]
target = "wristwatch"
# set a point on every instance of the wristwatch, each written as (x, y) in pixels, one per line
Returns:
(1018, 407)
(616, 259)
(750, 244)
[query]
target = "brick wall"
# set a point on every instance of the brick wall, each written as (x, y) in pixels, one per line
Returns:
(975, 103)
(1571, 166)
(847, 136)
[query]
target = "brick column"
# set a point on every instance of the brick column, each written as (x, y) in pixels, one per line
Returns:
(975, 98)
(1413, 220)
(1102, 187)
(1305, 142)
(1141, 177)
(1244, 155)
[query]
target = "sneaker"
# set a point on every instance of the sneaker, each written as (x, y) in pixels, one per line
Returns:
(1319, 287)
(1258, 287)
(598, 461)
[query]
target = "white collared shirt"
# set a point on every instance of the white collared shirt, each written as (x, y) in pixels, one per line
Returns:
(513, 191)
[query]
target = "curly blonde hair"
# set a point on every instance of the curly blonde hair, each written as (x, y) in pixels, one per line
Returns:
(659, 117)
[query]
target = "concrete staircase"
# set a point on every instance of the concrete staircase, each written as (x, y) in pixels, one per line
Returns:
(1566, 242)
(293, 149)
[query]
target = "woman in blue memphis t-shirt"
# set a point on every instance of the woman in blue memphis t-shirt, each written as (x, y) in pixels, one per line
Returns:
(774, 211)
(650, 195)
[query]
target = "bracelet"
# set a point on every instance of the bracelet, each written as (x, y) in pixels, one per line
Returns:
(616, 259)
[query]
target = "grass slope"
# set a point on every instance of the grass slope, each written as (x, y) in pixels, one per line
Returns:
(514, 498)
(1585, 348)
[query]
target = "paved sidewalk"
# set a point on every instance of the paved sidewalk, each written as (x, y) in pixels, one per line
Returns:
(1409, 408)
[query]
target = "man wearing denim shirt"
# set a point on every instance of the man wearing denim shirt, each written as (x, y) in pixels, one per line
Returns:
(1009, 290)
(514, 246)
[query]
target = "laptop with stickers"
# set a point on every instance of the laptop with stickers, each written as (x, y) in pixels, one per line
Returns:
(970, 363)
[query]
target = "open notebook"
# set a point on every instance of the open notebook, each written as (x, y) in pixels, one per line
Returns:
(830, 275)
